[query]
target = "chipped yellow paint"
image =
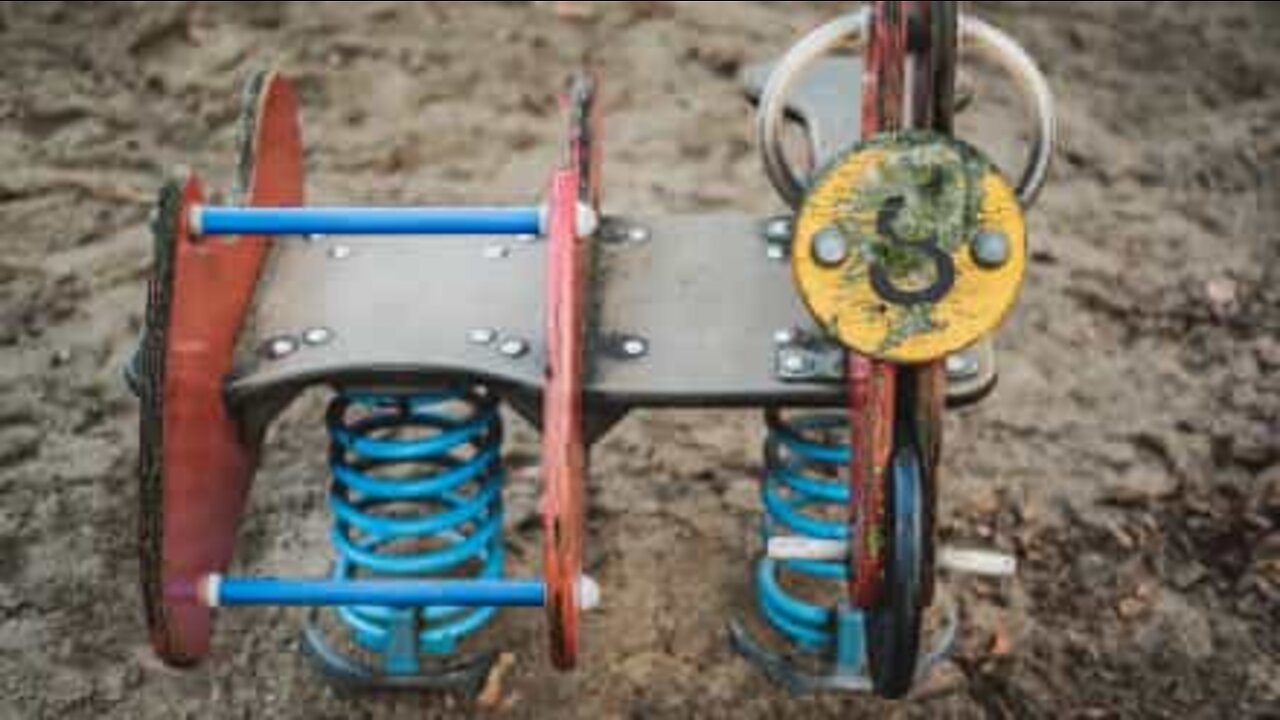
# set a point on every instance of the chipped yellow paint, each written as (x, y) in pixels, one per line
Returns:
(843, 299)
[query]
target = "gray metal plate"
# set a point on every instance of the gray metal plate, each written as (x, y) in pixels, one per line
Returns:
(708, 302)
(700, 292)
(827, 102)
(400, 310)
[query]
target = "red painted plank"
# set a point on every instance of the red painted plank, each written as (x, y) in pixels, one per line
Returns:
(871, 382)
(207, 463)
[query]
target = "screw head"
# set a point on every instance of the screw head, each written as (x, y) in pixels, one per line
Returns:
(794, 363)
(339, 252)
(830, 247)
(481, 336)
(962, 365)
(317, 336)
(513, 348)
(990, 249)
(635, 347)
(778, 230)
(280, 347)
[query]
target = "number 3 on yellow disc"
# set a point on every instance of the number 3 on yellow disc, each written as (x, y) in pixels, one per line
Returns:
(909, 247)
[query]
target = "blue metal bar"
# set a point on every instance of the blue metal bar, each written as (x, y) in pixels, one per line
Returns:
(365, 221)
(233, 592)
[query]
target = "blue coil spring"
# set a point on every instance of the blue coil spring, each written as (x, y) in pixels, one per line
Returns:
(417, 492)
(805, 493)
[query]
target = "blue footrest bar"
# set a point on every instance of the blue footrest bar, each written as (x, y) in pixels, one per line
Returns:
(206, 220)
(218, 591)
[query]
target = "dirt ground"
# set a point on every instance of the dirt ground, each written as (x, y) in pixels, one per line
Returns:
(1131, 456)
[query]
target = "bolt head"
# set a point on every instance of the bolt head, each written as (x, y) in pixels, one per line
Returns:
(990, 249)
(778, 230)
(481, 336)
(513, 348)
(280, 347)
(794, 363)
(830, 247)
(317, 336)
(962, 365)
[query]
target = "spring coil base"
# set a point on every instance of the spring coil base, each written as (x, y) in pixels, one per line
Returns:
(416, 493)
(805, 493)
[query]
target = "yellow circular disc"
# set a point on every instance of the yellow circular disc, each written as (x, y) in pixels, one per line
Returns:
(910, 247)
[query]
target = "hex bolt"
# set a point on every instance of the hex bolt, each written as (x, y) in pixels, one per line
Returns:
(281, 347)
(962, 365)
(339, 252)
(635, 347)
(777, 230)
(482, 336)
(496, 252)
(317, 336)
(796, 364)
(990, 249)
(513, 348)
(830, 247)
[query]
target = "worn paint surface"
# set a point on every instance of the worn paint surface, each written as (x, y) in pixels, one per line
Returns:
(196, 465)
(909, 204)
(564, 449)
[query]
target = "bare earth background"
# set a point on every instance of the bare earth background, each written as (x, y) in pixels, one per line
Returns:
(1131, 456)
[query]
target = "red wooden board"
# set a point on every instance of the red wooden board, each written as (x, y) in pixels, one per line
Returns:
(206, 464)
(871, 382)
(564, 453)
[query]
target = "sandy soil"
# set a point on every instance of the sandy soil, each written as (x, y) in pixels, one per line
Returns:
(1131, 456)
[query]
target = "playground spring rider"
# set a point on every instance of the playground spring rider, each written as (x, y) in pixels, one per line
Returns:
(867, 311)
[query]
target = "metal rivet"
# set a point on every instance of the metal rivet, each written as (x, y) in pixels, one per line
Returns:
(339, 252)
(513, 347)
(496, 252)
(794, 363)
(635, 347)
(280, 347)
(990, 249)
(481, 336)
(962, 365)
(317, 336)
(779, 229)
(830, 247)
